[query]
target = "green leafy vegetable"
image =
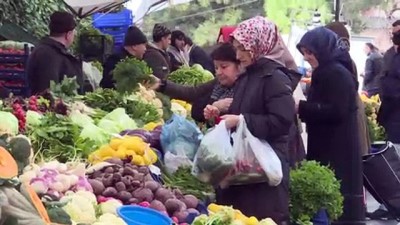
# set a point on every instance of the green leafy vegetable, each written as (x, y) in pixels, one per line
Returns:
(129, 73)
(67, 89)
(58, 137)
(314, 187)
(190, 75)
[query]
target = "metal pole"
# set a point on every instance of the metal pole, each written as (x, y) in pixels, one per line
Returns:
(337, 10)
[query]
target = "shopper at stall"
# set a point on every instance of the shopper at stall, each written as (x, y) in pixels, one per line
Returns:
(156, 55)
(197, 55)
(330, 114)
(178, 55)
(51, 60)
(373, 70)
(225, 34)
(218, 92)
(134, 46)
(344, 41)
(263, 94)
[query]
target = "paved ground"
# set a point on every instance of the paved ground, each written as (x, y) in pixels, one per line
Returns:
(372, 205)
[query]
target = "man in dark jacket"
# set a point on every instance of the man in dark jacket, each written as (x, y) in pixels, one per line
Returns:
(51, 60)
(156, 55)
(134, 46)
(373, 70)
(197, 55)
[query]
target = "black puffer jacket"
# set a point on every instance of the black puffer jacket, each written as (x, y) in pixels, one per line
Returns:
(268, 108)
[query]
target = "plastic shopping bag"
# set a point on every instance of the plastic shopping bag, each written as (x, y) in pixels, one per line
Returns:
(180, 135)
(255, 160)
(215, 157)
(173, 162)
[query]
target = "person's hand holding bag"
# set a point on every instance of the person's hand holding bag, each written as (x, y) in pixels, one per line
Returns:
(231, 121)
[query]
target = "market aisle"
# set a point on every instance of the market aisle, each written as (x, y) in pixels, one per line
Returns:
(372, 205)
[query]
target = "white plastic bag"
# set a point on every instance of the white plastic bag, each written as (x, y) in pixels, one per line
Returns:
(174, 161)
(215, 158)
(255, 160)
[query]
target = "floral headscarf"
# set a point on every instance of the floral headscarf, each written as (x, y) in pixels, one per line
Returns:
(261, 36)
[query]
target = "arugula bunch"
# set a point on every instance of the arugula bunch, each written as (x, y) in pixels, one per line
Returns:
(129, 73)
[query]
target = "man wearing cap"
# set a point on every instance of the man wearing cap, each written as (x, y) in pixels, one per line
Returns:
(134, 46)
(156, 55)
(51, 60)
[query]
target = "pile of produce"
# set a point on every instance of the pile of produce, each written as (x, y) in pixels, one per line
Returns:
(229, 216)
(131, 184)
(181, 108)
(191, 75)
(13, 47)
(314, 187)
(53, 179)
(131, 72)
(127, 147)
(376, 132)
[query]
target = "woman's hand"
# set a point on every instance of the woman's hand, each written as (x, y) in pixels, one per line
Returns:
(153, 85)
(211, 112)
(231, 121)
(223, 104)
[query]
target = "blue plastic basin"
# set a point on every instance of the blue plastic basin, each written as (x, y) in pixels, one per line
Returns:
(137, 215)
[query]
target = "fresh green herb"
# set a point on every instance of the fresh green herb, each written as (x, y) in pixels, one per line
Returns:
(129, 73)
(189, 184)
(190, 75)
(57, 137)
(314, 187)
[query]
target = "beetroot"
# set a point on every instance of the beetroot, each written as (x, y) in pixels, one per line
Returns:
(190, 201)
(181, 216)
(144, 194)
(97, 186)
(110, 192)
(174, 205)
(157, 205)
(152, 185)
(124, 196)
(163, 194)
(120, 186)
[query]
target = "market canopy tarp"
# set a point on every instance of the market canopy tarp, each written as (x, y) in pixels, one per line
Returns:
(84, 9)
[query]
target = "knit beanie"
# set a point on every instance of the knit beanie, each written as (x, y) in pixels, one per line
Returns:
(134, 36)
(61, 22)
(160, 31)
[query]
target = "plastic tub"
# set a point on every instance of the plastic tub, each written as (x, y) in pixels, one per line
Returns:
(118, 19)
(136, 215)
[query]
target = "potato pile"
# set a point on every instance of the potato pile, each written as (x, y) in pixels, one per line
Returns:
(132, 184)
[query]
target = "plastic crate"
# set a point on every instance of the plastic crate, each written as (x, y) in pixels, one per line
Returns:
(120, 19)
(18, 91)
(114, 31)
(119, 39)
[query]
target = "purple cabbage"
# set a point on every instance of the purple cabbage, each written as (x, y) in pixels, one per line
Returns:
(144, 134)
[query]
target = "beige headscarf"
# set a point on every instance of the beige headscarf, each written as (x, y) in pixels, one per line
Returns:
(262, 38)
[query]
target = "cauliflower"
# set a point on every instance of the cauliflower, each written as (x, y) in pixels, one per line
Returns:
(109, 218)
(80, 207)
(110, 206)
(178, 109)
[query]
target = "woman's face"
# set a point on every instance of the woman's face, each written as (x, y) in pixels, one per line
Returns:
(226, 72)
(309, 57)
(244, 56)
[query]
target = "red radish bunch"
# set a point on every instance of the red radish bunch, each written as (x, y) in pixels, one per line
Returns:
(33, 104)
(19, 112)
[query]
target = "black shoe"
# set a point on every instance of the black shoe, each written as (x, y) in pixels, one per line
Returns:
(379, 214)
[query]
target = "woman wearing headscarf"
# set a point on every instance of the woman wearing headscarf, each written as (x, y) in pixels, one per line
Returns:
(330, 114)
(344, 40)
(225, 34)
(263, 95)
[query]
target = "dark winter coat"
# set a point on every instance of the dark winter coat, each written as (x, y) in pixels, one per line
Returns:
(107, 81)
(158, 60)
(373, 73)
(330, 114)
(263, 95)
(389, 111)
(51, 61)
(197, 55)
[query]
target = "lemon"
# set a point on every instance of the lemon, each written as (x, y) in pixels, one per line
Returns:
(152, 155)
(146, 160)
(137, 160)
(106, 152)
(115, 143)
(130, 152)
(214, 207)
(252, 221)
